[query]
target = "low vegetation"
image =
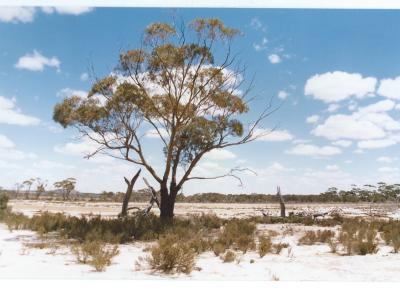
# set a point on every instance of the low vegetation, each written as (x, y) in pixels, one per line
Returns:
(95, 253)
(320, 236)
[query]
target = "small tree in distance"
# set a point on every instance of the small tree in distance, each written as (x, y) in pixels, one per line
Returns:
(28, 184)
(172, 85)
(40, 187)
(66, 187)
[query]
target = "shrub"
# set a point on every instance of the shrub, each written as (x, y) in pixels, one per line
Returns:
(277, 248)
(391, 235)
(3, 205)
(264, 245)
(358, 237)
(229, 257)
(311, 237)
(238, 234)
(172, 254)
(95, 253)
(218, 248)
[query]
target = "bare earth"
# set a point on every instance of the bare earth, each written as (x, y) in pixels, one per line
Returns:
(224, 210)
(297, 262)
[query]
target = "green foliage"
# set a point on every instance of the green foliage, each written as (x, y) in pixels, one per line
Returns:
(95, 253)
(172, 255)
(238, 234)
(66, 187)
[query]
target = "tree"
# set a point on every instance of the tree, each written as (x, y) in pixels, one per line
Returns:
(18, 187)
(40, 187)
(28, 184)
(174, 86)
(66, 187)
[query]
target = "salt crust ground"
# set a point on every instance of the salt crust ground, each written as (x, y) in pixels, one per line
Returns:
(298, 263)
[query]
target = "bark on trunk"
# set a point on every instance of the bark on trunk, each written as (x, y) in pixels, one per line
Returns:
(128, 194)
(167, 204)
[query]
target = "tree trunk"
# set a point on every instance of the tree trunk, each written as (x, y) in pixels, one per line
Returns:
(281, 202)
(167, 203)
(128, 194)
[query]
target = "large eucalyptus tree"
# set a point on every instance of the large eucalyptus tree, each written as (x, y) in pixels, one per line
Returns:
(174, 85)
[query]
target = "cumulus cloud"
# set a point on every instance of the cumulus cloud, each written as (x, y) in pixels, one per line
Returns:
(84, 77)
(274, 59)
(17, 14)
(333, 107)
(380, 106)
(220, 154)
(359, 125)
(37, 62)
(313, 150)
(27, 14)
(312, 119)
(11, 114)
(332, 168)
(390, 88)
(71, 10)
(343, 143)
(376, 143)
(68, 92)
(273, 135)
(337, 86)
(388, 169)
(153, 133)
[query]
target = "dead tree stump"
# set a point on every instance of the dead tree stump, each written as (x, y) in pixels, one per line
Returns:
(281, 202)
(128, 194)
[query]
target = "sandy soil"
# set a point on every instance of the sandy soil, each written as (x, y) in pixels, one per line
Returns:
(225, 210)
(296, 263)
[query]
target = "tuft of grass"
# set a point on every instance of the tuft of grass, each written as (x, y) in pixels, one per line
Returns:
(391, 235)
(278, 247)
(3, 205)
(172, 255)
(229, 256)
(95, 253)
(312, 237)
(264, 245)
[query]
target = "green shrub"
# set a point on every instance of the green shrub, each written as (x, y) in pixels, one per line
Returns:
(264, 245)
(95, 253)
(171, 255)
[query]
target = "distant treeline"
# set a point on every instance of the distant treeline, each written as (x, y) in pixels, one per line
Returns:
(381, 192)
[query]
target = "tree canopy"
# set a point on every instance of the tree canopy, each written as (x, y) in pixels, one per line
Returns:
(174, 86)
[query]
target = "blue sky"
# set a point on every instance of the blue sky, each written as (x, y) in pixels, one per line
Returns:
(335, 72)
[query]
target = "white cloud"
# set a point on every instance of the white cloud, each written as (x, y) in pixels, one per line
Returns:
(274, 59)
(343, 143)
(388, 169)
(17, 14)
(283, 94)
(152, 133)
(68, 92)
(71, 10)
(313, 150)
(10, 114)
(312, 119)
(220, 154)
(84, 77)
(390, 88)
(355, 126)
(333, 107)
(5, 142)
(273, 135)
(385, 159)
(337, 86)
(380, 106)
(37, 62)
(332, 168)
(376, 144)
